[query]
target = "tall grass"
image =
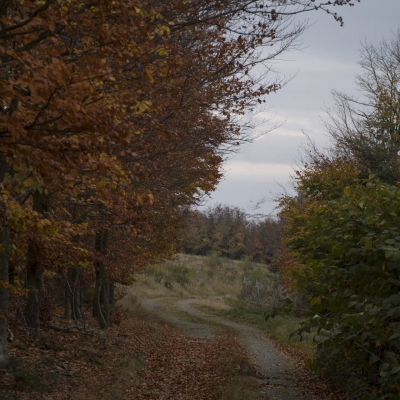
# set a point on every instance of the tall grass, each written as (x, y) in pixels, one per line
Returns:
(190, 276)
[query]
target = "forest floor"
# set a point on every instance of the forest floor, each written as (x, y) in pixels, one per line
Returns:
(179, 333)
(142, 358)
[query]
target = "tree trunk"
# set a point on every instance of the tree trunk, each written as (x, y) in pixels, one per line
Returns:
(11, 270)
(74, 288)
(104, 298)
(97, 309)
(96, 294)
(35, 278)
(111, 293)
(34, 285)
(4, 294)
(4, 265)
(81, 299)
(100, 299)
(67, 295)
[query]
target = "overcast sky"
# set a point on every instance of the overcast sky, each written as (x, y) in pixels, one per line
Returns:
(329, 60)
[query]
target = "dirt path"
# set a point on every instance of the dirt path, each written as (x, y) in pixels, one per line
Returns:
(276, 373)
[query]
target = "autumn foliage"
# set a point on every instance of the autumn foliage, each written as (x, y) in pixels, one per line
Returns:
(115, 116)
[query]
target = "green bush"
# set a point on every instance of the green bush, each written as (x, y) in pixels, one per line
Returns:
(257, 274)
(213, 261)
(168, 284)
(179, 274)
(157, 272)
(354, 298)
(170, 274)
(246, 265)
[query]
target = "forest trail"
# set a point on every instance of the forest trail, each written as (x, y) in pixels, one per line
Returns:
(276, 374)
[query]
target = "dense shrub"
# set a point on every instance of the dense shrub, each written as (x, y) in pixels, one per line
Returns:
(355, 299)
(172, 273)
(213, 261)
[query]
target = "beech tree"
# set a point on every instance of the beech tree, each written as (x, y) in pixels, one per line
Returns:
(119, 110)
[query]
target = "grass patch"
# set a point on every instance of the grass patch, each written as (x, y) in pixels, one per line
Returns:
(240, 311)
(279, 328)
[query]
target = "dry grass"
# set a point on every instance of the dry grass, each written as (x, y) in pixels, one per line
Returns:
(165, 279)
(130, 300)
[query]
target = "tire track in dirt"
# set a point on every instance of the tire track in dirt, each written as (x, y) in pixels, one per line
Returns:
(277, 375)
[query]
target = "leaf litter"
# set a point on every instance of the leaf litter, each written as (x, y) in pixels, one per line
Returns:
(142, 358)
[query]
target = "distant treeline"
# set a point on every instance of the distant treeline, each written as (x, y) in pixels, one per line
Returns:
(231, 232)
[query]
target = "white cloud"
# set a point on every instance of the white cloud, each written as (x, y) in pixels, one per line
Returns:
(261, 172)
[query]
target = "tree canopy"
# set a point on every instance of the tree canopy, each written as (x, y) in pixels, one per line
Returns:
(114, 119)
